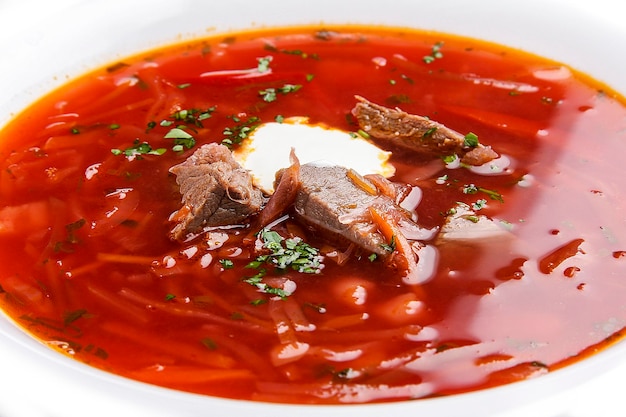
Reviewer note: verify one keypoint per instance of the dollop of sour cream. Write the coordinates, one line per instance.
(266, 150)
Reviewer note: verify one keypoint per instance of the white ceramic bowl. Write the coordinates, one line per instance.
(42, 43)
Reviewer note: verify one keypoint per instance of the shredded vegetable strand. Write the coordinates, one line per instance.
(190, 375)
(283, 327)
(127, 310)
(242, 351)
(184, 310)
(176, 349)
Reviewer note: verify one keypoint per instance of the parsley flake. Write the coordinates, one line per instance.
(391, 246)
(236, 134)
(472, 189)
(479, 204)
(435, 53)
(471, 140)
(291, 253)
(264, 64)
(182, 139)
(271, 94)
(227, 263)
(137, 150)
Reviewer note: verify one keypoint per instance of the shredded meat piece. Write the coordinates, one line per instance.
(216, 191)
(417, 133)
(340, 206)
(286, 188)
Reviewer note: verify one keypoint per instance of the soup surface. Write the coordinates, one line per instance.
(89, 267)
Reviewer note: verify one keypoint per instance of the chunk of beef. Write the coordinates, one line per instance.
(417, 133)
(345, 206)
(216, 191)
(333, 204)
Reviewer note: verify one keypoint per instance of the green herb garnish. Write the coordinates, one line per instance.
(435, 53)
(271, 94)
(472, 189)
(264, 64)
(226, 263)
(479, 204)
(236, 134)
(291, 253)
(182, 139)
(429, 132)
(137, 150)
(471, 140)
(391, 246)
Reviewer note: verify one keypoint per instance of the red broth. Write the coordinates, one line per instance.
(88, 268)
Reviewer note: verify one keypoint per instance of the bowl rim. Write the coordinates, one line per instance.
(49, 42)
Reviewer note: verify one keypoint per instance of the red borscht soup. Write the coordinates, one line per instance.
(445, 275)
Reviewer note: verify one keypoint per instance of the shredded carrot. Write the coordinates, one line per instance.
(341, 322)
(172, 347)
(244, 352)
(361, 182)
(187, 310)
(71, 141)
(125, 259)
(189, 375)
(297, 316)
(404, 256)
(332, 336)
(283, 326)
(382, 184)
(129, 311)
(383, 224)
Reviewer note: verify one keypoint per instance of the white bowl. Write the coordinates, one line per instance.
(43, 43)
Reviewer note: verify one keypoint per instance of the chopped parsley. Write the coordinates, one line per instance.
(363, 134)
(282, 254)
(296, 52)
(71, 238)
(257, 281)
(285, 253)
(271, 94)
(407, 79)
(182, 139)
(209, 343)
(179, 122)
(442, 179)
(264, 64)
(472, 189)
(226, 263)
(435, 53)
(70, 317)
(449, 159)
(471, 140)
(169, 297)
(193, 116)
(138, 149)
(479, 204)
(236, 134)
(391, 246)
(429, 132)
